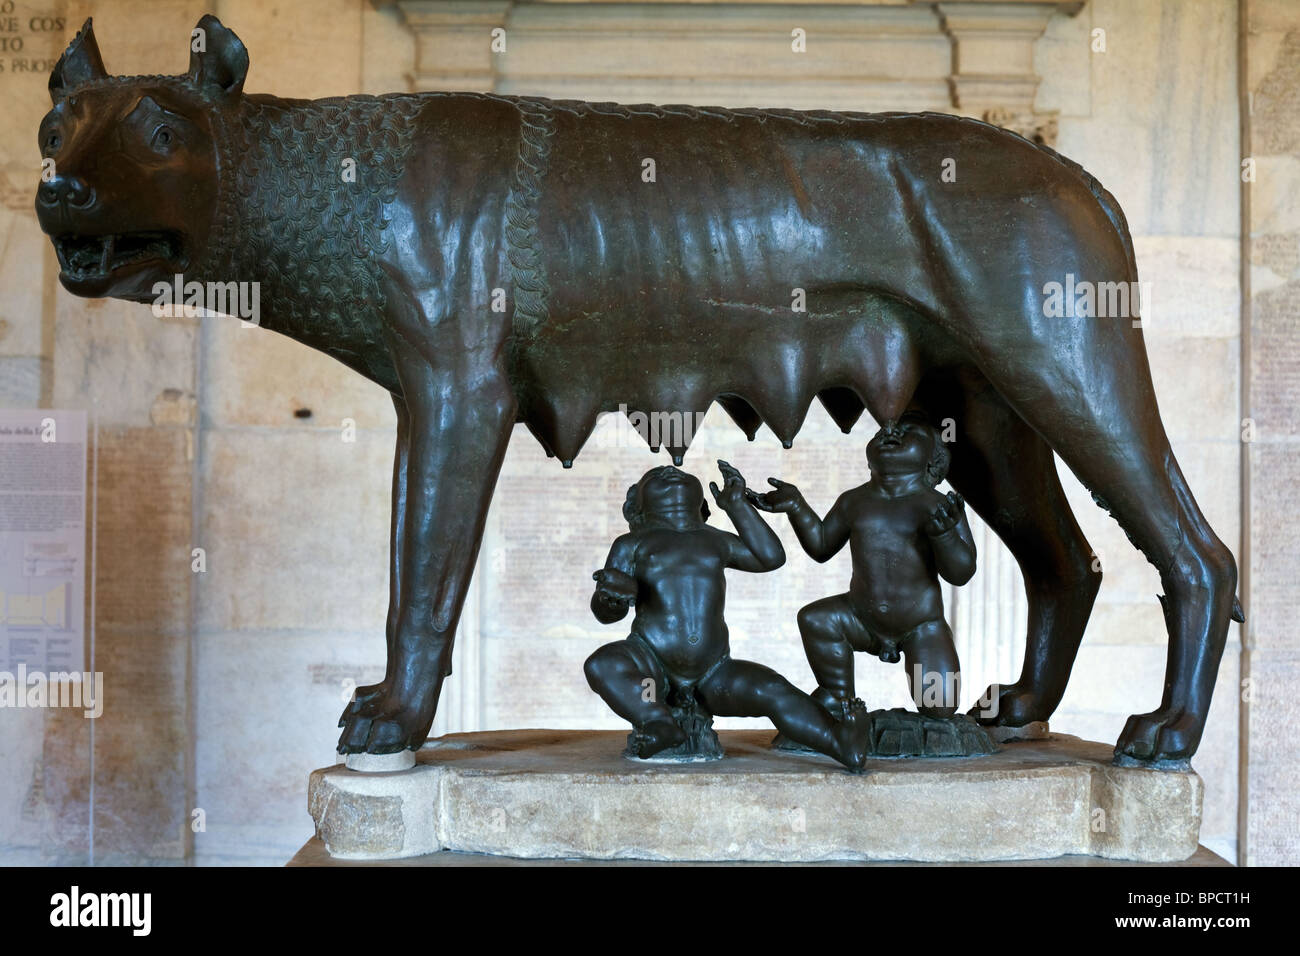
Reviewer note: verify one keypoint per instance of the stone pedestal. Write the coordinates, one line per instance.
(571, 794)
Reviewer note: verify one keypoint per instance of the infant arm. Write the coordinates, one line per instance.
(615, 582)
(822, 538)
(756, 547)
(950, 539)
(766, 555)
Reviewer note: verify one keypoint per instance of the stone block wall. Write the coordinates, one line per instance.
(1271, 755)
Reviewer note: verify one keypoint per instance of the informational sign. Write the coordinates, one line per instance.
(42, 540)
(29, 32)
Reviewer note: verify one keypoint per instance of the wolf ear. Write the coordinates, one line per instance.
(79, 64)
(218, 60)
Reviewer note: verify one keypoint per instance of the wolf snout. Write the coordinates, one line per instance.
(66, 191)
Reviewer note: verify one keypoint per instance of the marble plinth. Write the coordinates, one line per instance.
(546, 794)
(313, 853)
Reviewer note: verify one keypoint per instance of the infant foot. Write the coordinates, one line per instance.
(656, 735)
(853, 740)
(841, 708)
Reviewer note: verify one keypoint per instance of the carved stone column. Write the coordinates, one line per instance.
(453, 49)
(993, 62)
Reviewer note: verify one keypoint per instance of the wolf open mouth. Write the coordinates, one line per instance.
(86, 257)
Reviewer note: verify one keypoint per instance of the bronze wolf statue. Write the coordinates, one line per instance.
(503, 259)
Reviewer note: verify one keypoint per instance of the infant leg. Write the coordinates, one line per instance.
(933, 671)
(634, 686)
(831, 632)
(746, 689)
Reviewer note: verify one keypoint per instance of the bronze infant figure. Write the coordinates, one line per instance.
(501, 260)
(903, 535)
(676, 662)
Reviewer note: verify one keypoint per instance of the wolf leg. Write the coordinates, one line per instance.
(461, 411)
(1100, 416)
(365, 696)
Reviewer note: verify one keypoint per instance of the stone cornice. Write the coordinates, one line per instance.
(974, 57)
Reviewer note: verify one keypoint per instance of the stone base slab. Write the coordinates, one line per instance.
(548, 794)
(1035, 730)
(313, 853)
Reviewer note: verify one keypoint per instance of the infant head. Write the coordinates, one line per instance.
(663, 489)
(909, 446)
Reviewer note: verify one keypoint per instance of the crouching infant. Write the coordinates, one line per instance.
(671, 567)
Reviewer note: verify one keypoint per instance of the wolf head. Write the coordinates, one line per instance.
(130, 182)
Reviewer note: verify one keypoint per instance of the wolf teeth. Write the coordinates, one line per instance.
(100, 255)
(106, 257)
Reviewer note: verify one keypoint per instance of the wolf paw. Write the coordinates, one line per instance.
(386, 727)
(364, 701)
(1166, 734)
(1008, 706)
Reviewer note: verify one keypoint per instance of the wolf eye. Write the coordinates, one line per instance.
(162, 137)
(53, 140)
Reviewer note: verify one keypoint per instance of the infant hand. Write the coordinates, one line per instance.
(783, 499)
(615, 586)
(733, 491)
(946, 515)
